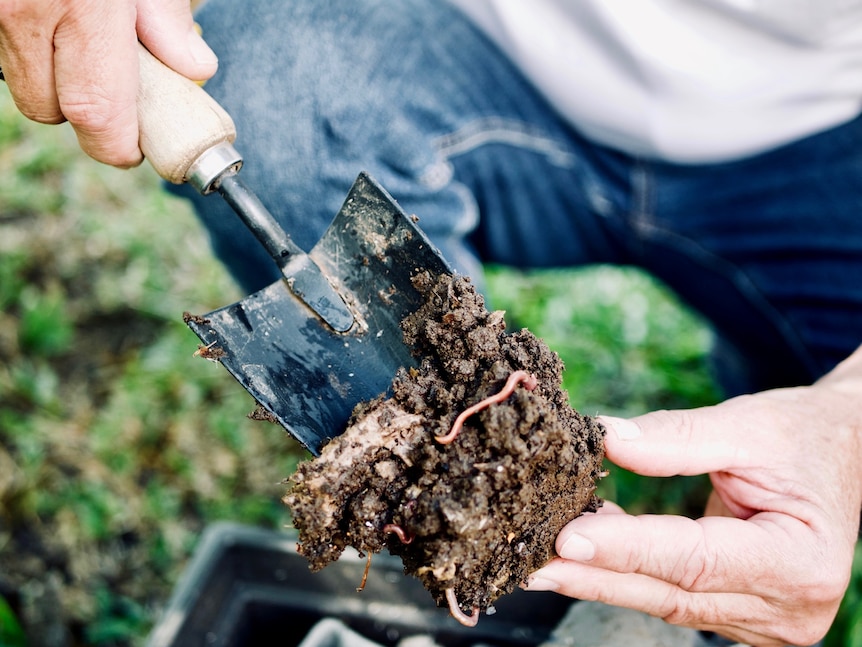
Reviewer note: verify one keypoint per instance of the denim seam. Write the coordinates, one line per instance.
(474, 135)
(500, 130)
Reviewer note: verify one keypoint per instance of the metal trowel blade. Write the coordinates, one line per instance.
(306, 375)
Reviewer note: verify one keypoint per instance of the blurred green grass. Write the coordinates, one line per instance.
(117, 447)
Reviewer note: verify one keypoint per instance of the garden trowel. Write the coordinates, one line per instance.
(327, 335)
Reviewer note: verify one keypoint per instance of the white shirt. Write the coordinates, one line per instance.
(686, 80)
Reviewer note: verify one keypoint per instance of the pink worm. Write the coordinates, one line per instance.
(516, 377)
(398, 530)
(460, 616)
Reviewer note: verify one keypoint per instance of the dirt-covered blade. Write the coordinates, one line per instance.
(305, 374)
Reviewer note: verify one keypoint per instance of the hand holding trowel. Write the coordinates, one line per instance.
(325, 337)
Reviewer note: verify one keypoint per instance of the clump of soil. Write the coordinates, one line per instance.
(481, 513)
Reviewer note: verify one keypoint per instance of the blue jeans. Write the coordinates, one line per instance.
(768, 248)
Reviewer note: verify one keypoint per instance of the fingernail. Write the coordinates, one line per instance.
(200, 51)
(624, 429)
(541, 584)
(578, 548)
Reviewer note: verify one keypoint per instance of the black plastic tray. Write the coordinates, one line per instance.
(248, 586)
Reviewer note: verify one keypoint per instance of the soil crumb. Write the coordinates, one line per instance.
(473, 517)
(263, 415)
(188, 316)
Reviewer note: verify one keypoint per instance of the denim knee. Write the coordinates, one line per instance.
(318, 94)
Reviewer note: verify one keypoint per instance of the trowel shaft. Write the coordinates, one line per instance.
(257, 218)
(303, 276)
(187, 137)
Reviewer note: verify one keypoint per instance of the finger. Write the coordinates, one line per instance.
(714, 554)
(671, 443)
(167, 30)
(96, 70)
(588, 582)
(609, 507)
(27, 57)
(740, 617)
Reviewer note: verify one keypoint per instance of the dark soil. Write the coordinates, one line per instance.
(481, 513)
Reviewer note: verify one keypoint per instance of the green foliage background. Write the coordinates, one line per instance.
(117, 446)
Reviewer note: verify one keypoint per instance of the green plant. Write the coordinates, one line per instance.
(11, 633)
(847, 629)
(117, 618)
(44, 325)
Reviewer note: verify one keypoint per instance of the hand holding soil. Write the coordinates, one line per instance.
(468, 470)
(774, 553)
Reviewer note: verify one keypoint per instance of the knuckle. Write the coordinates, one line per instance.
(827, 591)
(698, 569)
(821, 586)
(40, 114)
(694, 569)
(114, 156)
(90, 110)
(679, 610)
(819, 594)
(107, 128)
(807, 632)
(35, 103)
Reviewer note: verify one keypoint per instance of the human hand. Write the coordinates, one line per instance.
(77, 60)
(773, 567)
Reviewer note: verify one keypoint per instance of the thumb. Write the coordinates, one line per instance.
(677, 443)
(167, 30)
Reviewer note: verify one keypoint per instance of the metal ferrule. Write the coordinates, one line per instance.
(211, 165)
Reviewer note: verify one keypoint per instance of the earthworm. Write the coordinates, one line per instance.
(518, 376)
(460, 616)
(398, 530)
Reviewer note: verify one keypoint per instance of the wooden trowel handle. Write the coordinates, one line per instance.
(179, 122)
